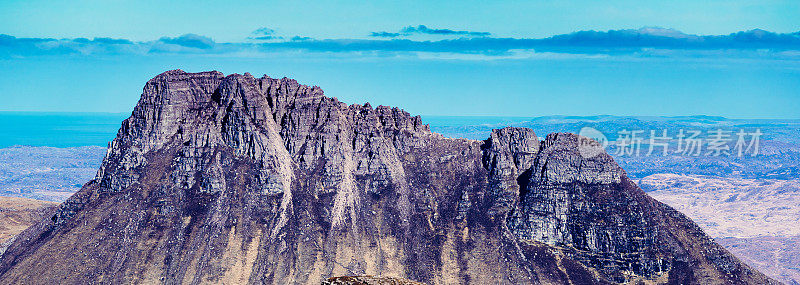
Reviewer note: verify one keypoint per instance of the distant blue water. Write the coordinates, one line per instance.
(58, 129)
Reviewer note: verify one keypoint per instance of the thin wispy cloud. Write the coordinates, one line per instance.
(632, 42)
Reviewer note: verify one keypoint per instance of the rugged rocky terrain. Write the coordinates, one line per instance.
(236, 179)
(755, 219)
(731, 207)
(779, 257)
(368, 280)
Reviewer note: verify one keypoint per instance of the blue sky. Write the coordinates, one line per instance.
(233, 20)
(505, 58)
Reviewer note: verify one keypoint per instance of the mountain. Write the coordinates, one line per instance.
(236, 179)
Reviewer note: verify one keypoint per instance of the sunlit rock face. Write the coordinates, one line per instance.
(235, 179)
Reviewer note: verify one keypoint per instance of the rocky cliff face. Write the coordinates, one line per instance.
(235, 179)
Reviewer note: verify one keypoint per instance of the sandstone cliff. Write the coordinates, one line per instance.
(235, 179)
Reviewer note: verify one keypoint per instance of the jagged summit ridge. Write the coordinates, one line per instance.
(236, 179)
(275, 122)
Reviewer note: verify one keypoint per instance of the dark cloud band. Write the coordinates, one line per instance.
(612, 42)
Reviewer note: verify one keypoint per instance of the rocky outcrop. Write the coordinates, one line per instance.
(368, 280)
(235, 179)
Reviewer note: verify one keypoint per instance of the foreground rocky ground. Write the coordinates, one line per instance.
(368, 280)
